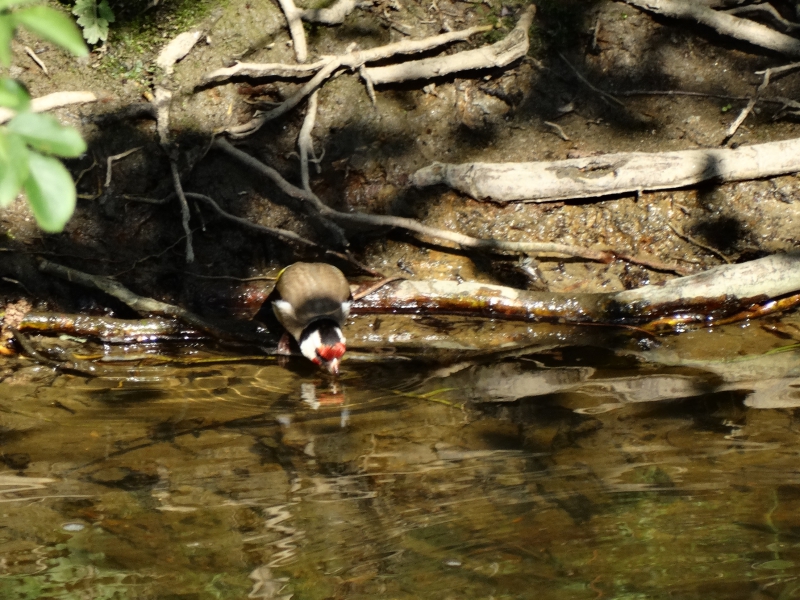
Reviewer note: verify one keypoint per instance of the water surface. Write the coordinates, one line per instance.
(643, 469)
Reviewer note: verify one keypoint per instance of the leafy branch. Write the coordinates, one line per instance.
(30, 142)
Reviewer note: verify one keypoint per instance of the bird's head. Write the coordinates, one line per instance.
(323, 343)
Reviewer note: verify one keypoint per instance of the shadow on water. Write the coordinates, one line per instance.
(590, 468)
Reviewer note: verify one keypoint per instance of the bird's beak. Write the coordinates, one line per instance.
(333, 366)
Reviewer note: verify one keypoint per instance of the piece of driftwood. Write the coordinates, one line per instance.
(514, 46)
(612, 173)
(724, 23)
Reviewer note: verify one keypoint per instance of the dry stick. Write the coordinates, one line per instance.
(605, 95)
(51, 101)
(725, 24)
(750, 104)
(514, 46)
(141, 304)
(295, 29)
(37, 60)
(558, 130)
(698, 243)
(256, 122)
(284, 233)
(404, 223)
(110, 160)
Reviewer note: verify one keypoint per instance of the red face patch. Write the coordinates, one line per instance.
(328, 353)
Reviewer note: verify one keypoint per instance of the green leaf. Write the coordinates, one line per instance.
(6, 34)
(13, 95)
(94, 18)
(53, 26)
(13, 166)
(4, 4)
(50, 192)
(105, 11)
(46, 134)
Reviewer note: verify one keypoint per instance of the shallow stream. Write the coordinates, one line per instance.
(613, 468)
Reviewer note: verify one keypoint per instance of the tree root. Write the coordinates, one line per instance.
(612, 173)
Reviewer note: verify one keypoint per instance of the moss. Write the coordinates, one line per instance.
(138, 35)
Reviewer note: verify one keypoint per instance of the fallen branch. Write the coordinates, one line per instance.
(50, 102)
(460, 239)
(612, 173)
(514, 46)
(141, 304)
(724, 23)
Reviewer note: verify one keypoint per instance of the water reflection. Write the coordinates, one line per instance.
(566, 472)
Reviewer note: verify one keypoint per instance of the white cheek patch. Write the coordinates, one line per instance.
(308, 347)
(346, 308)
(283, 310)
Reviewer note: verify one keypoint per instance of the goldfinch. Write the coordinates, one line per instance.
(312, 301)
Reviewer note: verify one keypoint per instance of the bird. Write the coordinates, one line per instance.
(312, 302)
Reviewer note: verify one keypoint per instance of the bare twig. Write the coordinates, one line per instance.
(460, 239)
(185, 215)
(605, 95)
(284, 233)
(37, 60)
(558, 130)
(110, 160)
(698, 243)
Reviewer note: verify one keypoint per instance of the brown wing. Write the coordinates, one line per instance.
(314, 291)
